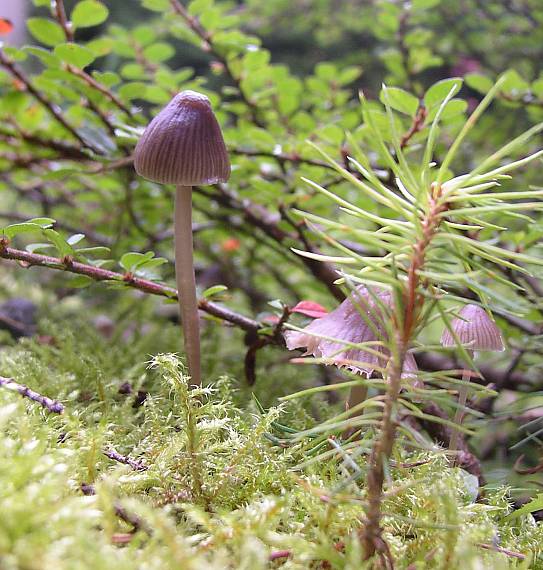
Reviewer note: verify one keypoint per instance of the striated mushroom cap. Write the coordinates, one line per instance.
(474, 329)
(347, 324)
(183, 144)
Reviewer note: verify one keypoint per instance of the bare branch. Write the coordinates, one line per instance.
(150, 287)
(52, 405)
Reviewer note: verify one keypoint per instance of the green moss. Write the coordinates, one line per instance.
(216, 493)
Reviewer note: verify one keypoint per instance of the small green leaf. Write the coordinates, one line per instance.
(438, 91)
(43, 222)
(44, 55)
(100, 46)
(80, 282)
(215, 290)
(155, 94)
(14, 53)
(15, 229)
(133, 71)
(479, 82)
(514, 82)
(74, 54)
(97, 250)
(107, 78)
(149, 265)
(89, 13)
(45, 31)
(158, 52)
(536, 504)
(75, 239)
(537, 87)
(453, 108)
(132, 90)
(33, 225)
(33, 247)
(400, 100)
(132, 260)
(59, 242)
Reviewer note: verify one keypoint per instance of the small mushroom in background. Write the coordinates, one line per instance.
(356, 320)
(476, 331)
(359, 319)
(183, 145)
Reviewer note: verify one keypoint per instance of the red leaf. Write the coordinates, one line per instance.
(271, 319)
(6, 26)
(231, 244)
(310, 309)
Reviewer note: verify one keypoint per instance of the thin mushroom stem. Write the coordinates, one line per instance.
(356, 396)
(459, 415)
(186, 281)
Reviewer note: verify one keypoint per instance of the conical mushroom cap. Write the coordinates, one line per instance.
(474, 329)
(183, 144)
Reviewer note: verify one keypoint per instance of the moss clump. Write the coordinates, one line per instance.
(211, 490)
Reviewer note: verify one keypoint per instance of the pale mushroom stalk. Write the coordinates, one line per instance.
(186, 281)
(357, 395)
(460, 411)
(472, 328)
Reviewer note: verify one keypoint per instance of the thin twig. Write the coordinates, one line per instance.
(125, 460)
(416, 126)
(131, 518)
(97, 86)
(60, 14)
(49, 106)
(501, 550)
(53, 406)
(67, 150)
(100, 274)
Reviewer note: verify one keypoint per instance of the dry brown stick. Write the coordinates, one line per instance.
(100, 274)
(49, 404)
(59, 12)
(125, 460)
(501, 550)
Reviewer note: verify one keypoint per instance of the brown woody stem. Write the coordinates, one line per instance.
(371, 534)
(100, 274)
(185, 279)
